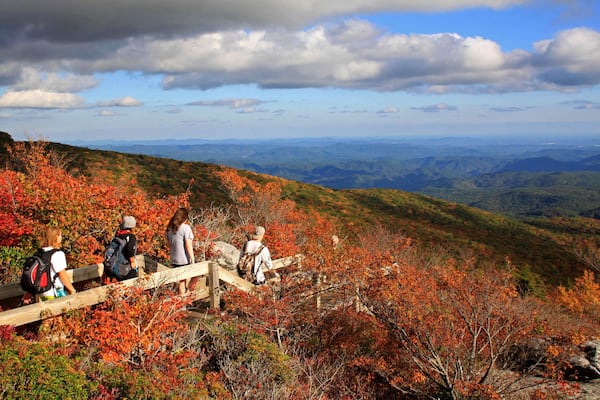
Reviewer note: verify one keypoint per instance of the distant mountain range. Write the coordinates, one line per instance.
(518, 176)
(542, 248)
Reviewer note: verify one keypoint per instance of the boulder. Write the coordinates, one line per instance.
(586, 366)
(226, 255)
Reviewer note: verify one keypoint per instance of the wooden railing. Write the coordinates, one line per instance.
(160, 275)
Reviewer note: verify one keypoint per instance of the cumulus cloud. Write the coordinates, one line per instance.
(40, 99)
(52, 82)
(206, 44)
(571, 59)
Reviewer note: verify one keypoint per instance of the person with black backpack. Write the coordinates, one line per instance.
(119, 259)
(50, 256)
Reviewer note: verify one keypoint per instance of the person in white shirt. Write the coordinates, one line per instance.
(58, 272)
(263, 257)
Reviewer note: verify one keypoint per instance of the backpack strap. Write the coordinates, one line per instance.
(49, 253)
(257, 252)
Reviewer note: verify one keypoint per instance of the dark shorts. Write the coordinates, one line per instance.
(132, 274)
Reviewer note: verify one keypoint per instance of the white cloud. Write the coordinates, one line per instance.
(40, 99)
(317, 58)
(570, 59)
(127, 101)
(206, 44)
(52, 82)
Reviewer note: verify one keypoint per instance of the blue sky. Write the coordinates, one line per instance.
(150, 69)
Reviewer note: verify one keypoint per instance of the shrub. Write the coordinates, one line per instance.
(11, 264)
(37, 370)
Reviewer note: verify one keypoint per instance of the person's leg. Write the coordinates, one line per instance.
(193, 283)
(182, 288)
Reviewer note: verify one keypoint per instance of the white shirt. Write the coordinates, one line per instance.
(59, 263)
(263, 257)
(179, 255)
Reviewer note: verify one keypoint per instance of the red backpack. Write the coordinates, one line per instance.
(37, 272)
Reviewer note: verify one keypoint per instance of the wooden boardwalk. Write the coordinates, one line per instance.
(152, 275)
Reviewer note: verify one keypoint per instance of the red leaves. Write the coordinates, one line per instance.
(15, 208)
(88, 213)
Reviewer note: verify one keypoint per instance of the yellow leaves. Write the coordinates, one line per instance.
(553, 351)
(419, 377)
(583, 298)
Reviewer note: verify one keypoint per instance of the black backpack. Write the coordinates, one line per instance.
(37, 275)
(245, 266)
(115, 264)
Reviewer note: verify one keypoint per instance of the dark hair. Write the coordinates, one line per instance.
(180, 216)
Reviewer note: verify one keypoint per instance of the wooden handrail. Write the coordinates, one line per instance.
(163, 275)
(83, 274)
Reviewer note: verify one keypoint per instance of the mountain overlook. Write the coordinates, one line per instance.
(416, 292)
(546, 252)
(472, 171)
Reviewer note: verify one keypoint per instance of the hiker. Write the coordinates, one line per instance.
(335, 240)
(52, 242)
(263, 256)
(124, 244)
(180, 238)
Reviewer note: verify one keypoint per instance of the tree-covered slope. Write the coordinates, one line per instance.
(545, 250)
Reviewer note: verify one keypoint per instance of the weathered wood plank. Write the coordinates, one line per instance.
(35, 312)
(76, 275)
(235, 280)
(163, 276)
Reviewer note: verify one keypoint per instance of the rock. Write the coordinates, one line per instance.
(226, 255)
(586, 366)
(591, 348)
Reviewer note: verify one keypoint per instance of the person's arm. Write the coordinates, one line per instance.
(59, 264)
(189, 249)
(266, 258)
(130, 250)
(64, 278)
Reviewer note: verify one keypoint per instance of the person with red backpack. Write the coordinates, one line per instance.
(51, 254)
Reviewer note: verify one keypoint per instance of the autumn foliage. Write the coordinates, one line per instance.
(38, 193)
(375, 316)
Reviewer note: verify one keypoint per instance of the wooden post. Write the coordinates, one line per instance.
(213, 283)
(319, 290)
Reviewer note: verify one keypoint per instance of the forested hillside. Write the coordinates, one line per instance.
(420, 299)
(551, 255)
(521, 177)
